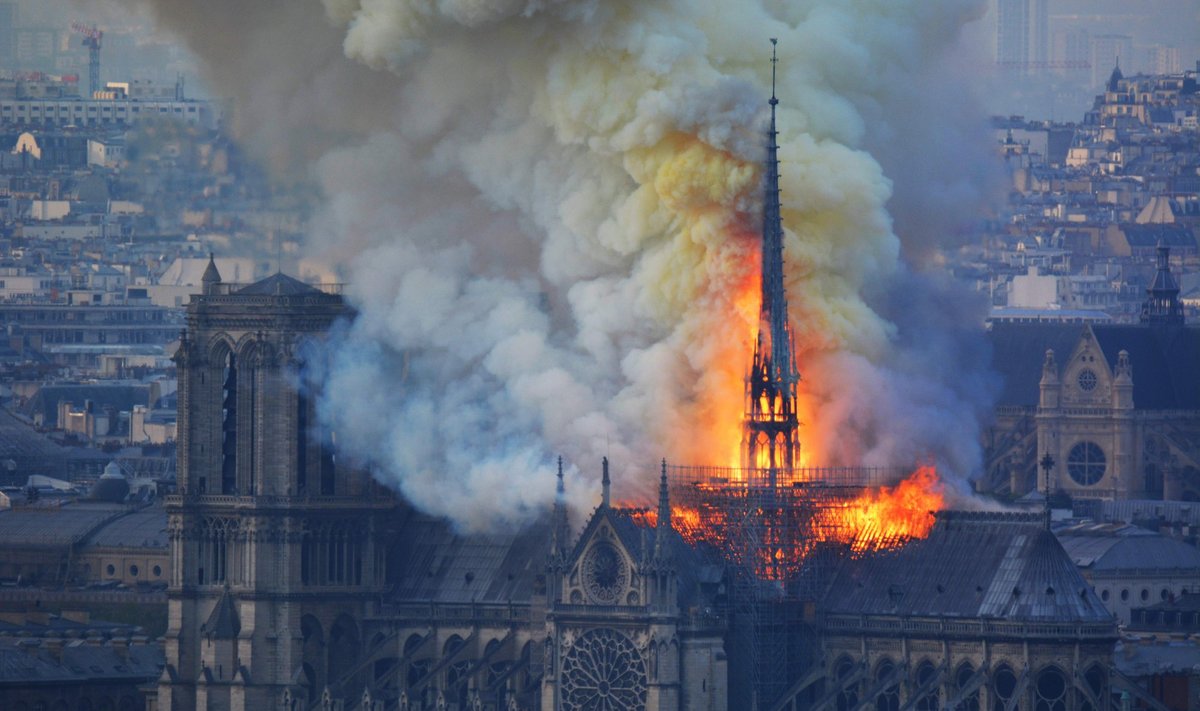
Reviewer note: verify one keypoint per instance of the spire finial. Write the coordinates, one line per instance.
(606, 499)
(561, 488)
(774, 62)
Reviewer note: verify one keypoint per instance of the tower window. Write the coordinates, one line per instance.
(229, 426)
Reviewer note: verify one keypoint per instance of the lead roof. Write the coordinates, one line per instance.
(972, 565)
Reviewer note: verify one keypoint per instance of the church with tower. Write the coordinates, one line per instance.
(298, 583)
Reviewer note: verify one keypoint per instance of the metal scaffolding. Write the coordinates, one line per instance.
(779, 534)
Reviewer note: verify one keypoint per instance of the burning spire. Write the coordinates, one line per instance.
(770, 439)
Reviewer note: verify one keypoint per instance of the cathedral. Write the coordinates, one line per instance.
(297, 583)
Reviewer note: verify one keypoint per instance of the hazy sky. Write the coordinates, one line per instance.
(1148, 22)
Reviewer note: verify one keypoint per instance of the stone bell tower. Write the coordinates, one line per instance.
(273, 538)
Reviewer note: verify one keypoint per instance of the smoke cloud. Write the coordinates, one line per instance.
(547, 213)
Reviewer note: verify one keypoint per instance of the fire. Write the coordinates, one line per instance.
(720, 414)
(887, 517)
(776, 540)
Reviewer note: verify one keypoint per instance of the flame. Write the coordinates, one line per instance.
(779, 541)
(887, 517)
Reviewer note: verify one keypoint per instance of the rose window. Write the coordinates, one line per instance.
(603, 671)
(605, 573)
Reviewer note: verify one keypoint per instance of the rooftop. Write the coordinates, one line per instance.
(973, 565)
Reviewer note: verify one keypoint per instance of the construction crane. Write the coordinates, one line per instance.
(91, 40)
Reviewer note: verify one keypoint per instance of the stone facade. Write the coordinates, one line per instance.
(296, 582)
(620, 634)
(273, 540)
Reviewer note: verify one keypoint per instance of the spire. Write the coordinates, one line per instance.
(770, 437)
(606, 485)
(1114, 79)
(1162, 305)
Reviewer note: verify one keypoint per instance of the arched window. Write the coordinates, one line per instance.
(889, 698)
(848, 694)
(925, 676)
(1096, 680)
(962, 677)
(1004, 687)
(1050, 690)
(343, 649)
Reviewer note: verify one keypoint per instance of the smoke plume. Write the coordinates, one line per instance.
(547, 213)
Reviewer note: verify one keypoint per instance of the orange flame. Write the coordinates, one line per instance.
(887, 517)
(877, 519)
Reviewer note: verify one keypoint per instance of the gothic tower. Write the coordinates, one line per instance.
(770, 438)
(273, 546)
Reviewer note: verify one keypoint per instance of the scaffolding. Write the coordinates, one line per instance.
(780, 536)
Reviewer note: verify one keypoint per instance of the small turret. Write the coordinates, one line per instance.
(1123, 383)
(211, 277)
(664, 515)
(1049, 385)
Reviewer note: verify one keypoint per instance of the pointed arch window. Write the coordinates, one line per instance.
(229, 432)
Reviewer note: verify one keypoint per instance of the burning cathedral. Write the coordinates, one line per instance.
(297, 582)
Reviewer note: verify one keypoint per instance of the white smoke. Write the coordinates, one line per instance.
(546, 212)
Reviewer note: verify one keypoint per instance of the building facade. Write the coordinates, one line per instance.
(274, 542)
(1117, 407)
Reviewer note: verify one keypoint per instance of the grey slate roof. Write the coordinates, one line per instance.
(146, 528)
(1116, 553)
(53, 527)
(279, 284)
(25, 446)
(22, 664)
(1170, 234)
(1165, 376)
(224, 622)
(436, 564)
(972, 565)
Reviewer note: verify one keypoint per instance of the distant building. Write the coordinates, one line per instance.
(64, 111)
(1117, 407)
(1022, 35)
(69, 661)
(1129, 566)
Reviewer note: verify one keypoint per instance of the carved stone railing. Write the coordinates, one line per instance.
(277, 502)
(972, 628)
